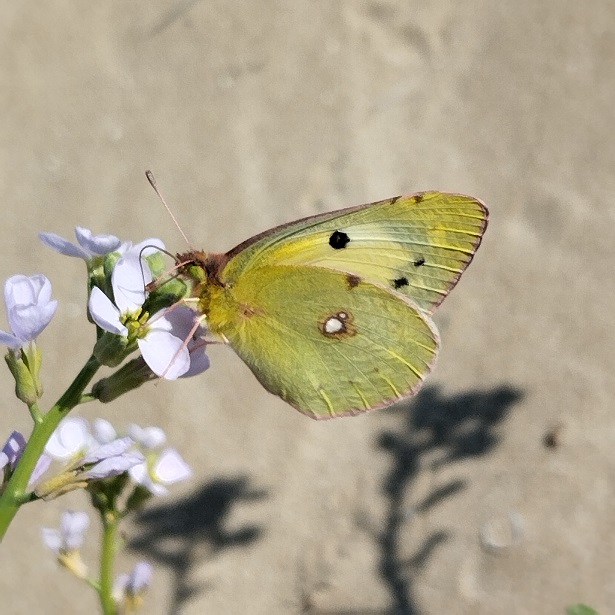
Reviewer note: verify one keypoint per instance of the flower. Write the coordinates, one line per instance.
(29, 308)
(87, 459)
(12, 450)
(73, 525)
(66, 541)
(148, 438)
(89, 245)
(165, 469)
(110, 459)
(129, 588)
(173, 346)
(169, 341)
(11, 453)
(71, 439)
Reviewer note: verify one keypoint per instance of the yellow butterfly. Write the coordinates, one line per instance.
(332, 312)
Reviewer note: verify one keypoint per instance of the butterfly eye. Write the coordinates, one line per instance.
(338, 240)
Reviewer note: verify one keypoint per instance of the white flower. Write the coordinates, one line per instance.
(71, 439)
(131, 587)
(148, 438)
(66, 541)
(11, 453)
(173, 346)
(103, 431)
(89, 245)
(12, 450)
(73, 525)
(170, 340)
(73, 442)
(168, 468)
(111, 459)
(29, 308)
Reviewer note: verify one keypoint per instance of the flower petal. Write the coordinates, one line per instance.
(166, 355)
(63, 246)
(129, 278)
(103, 430)
(171, 468)
(199, 361)
(96, 244)
(140, 578)
(42, 465)
(52, 539)
(104, 313)
(8, 339)
(113, 466)
(27, 322)
(14, 447)
(70, 439)
(111, 449)
(147, 437)
(73, 526)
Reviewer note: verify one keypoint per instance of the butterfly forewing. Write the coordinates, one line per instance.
(416, 245)
(325, 341)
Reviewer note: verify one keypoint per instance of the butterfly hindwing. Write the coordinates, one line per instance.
(327, 342)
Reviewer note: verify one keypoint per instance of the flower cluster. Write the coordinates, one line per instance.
(97, 452)
(170, 340)
(66, 541)
(134, 312)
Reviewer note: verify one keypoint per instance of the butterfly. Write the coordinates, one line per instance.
(332, 312)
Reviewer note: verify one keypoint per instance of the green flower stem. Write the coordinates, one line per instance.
(35, 413)
(110, 521)
(15, 493)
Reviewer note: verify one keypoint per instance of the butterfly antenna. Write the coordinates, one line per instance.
(152, 180)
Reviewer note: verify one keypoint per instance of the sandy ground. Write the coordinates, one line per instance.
(253, 114)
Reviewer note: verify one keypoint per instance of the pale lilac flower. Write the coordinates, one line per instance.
(11, 453)
(168, 468)
(73, 525)
(42, 465)
(167, 347)
(67, 541)
(148, 438)
(12, 450)
(89, 245)
(103, 431)
(169, 341)
(73, 442)
(110, 459)
(132, 586)
(29, 308)
(70, 440)
(131, 274)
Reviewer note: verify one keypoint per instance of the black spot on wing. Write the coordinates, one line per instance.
(352, 281)
(399, 282)
(419, 261)
(338, 240)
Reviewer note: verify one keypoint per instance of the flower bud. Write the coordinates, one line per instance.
(25, 365)
(128, 377)
(111, 349)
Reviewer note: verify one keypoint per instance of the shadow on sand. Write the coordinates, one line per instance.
(180, 534)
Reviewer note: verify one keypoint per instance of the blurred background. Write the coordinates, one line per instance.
(492, 490)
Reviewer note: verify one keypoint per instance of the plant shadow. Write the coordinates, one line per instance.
(457, 427)
(180, 534)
